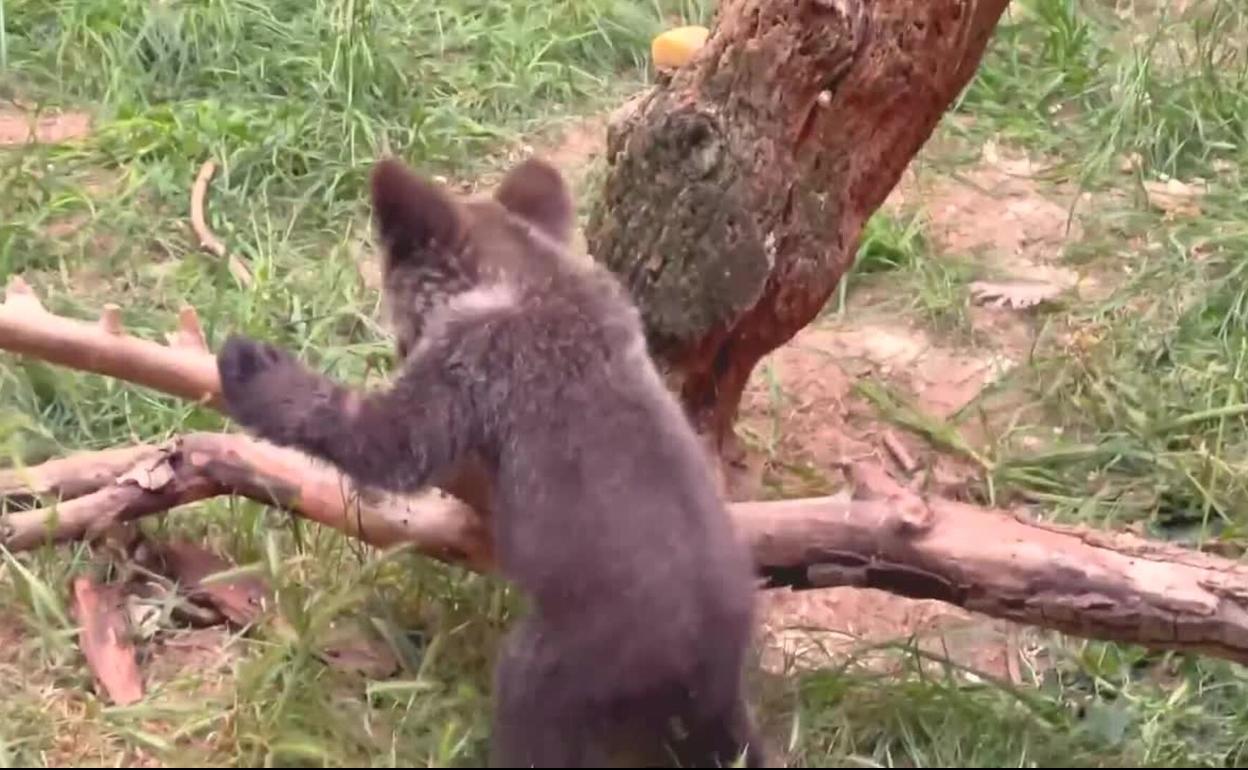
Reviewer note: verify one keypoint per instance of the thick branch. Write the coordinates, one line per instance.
(1108, 586)
(1097, 585)
(204, 465)
(184, 367)
(70, 477)
(1117, 587)
(180, 369)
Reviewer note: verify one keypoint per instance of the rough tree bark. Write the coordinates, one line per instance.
(737, 190)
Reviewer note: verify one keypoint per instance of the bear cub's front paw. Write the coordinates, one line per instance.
(255, 377)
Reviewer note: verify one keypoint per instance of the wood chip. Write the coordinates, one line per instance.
(1014, 294)
(1174, 197)
(104, 638)
(899, 452)
(352, 649)
(241, 599)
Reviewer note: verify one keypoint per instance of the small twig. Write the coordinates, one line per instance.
(200, 189)
(1013, 651)
(899, 452)
(207, 240)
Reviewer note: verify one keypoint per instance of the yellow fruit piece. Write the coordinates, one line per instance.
(676, 46)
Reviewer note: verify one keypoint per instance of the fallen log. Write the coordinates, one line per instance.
(1092, 584)
(199, 466)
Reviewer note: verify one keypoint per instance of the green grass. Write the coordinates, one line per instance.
(1153, 425)
(1091, 711)
(1152, 417)
(294, 99)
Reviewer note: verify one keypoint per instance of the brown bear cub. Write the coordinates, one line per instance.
(605, 509)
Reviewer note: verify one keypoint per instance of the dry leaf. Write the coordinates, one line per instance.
(991, 154)
(367, 265)
(155, 477)
(1174, 197)
(353, 649)
(241, 599)
(1016, 294)
(105, 640)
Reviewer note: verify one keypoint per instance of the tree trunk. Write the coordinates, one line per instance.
(737, 190)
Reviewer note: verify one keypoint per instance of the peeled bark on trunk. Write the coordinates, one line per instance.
(736, 191)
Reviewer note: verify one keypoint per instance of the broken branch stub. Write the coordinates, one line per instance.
(27, 328)
(1080, 581)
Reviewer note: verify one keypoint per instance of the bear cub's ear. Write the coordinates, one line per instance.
(535, 191)
(413, 215)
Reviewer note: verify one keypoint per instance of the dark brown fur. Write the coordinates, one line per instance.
(605, 509)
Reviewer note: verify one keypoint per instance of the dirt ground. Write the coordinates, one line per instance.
(18, 126)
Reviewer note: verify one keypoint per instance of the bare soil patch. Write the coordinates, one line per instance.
(18, 126)
(802, 417)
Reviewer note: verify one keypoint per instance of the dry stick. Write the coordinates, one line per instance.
(184, 367)
(1092, 584)
(1108, 586)
(198, 191)
(207, 240)
(899, 452)
(73, 476)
